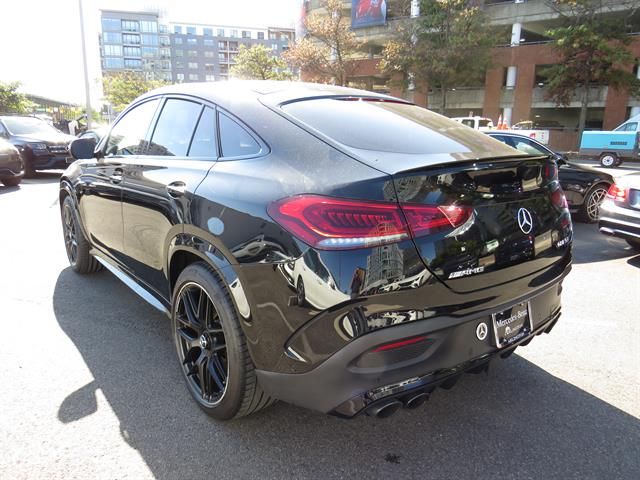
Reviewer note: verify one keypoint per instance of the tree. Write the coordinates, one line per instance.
(12, 101)
(449, 45)
(258, 63)
(593, 50)
(121, 88)
(327, 51)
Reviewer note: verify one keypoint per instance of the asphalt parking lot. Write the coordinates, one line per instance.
(90, 387)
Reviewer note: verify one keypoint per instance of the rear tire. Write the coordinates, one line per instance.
(609, 160)
(11, 182)
(590, 210)
(211, 347)
(635, 244)
(75, 243)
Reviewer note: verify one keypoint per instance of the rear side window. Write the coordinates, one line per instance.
(235, 140)
(128, 135)
(174, 128)
(376, 125)
(204, 142)
(527, 147)
(628, 127)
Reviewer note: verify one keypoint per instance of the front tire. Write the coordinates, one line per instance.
(590, 210)
(75, 243)
(609, 160)
(211, 347)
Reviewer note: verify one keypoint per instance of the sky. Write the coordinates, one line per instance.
(40, 39)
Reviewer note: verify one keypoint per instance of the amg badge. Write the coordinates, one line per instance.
(466, 272)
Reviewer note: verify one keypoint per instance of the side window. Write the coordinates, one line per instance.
(235, 140)
(468, 123)
(204, 140)
(631, 127)
(528, 147)
(174, 128)
(128, 135)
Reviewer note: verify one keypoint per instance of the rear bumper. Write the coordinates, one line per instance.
(346, 386)
(618, 221)
(49, 162)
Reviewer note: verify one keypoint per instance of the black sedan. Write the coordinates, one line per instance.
(334, 248)
(585, 188)
(11, 169)
(620, 212)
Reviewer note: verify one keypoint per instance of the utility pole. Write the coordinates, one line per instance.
(86, 70)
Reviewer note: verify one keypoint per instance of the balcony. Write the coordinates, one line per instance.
(471, 98)
(597, 98)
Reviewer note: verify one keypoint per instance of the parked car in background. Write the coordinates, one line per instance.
(41, 146)
(201, 192)
(477, 123)
(613, 147)
(11, 169)
(620, 212)
(585, 188)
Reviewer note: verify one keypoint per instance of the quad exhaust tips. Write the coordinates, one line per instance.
(415, 400)
(384, 409)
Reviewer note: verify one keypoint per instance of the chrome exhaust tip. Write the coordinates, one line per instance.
(384, 409)
(416, 400)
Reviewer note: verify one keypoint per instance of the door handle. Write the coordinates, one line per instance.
(116, 176)
(176, 189)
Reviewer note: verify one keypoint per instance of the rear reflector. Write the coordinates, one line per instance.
(335, 223)
(400, 344)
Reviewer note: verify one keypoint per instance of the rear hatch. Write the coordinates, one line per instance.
(508, 219)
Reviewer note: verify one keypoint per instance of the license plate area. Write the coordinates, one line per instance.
(512, 324)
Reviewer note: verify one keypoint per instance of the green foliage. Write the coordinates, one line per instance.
(258, 63)
(594, 50)
(121, 88)
(327, 53)
(12, 101)
(448, 45)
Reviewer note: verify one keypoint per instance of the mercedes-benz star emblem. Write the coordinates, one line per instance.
(203, 342)
(525, 221)
(482, 330)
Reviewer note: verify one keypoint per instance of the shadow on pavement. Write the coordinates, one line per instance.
(591, 246)
(43, 177)
(4, 189)
(517, 422)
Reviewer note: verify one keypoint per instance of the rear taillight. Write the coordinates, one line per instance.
(558, 199)
(550, 172)
(617, 193)
(337, 224)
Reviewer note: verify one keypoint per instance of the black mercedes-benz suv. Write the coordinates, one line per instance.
(41, 146)
(333, 248)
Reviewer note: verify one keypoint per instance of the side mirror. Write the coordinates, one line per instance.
(562, 159)
(82, 148)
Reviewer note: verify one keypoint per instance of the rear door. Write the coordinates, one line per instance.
(158, 186)
(99, 190)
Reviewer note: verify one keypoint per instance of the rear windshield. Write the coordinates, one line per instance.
(370, 124)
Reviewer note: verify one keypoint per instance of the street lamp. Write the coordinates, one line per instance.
(86, 70)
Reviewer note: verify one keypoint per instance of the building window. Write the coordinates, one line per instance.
(164, 29)
(131, 39)
(111, 37)
(179, 64)
(221, 32)
(130, 26)
(222, 45)
(134, 63)
(112, 50)
(149, 52)
(166, 65)
(208, 67)
(208, 42)
(193, 65)
(233, 46)
(260, 35)
(131, 51)
(234, 33)
(111, 24)
(193, 76)
(113, 63)
(273, 36)
(208, 54)
(222, 56)
(192, 53)
(207, 32)
(274, 46)
(164, 41)
(177, 29)
(148, 27)
(210, 78)
(179, 53)
(192, 40)
(191, 30)
(180, 77)
(148, 39)
(246, 34)
(177, 41)
(165, 52)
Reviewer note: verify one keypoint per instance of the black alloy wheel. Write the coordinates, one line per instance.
(593, 201)
(69, 231)
(76, 245)
(201, 344)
